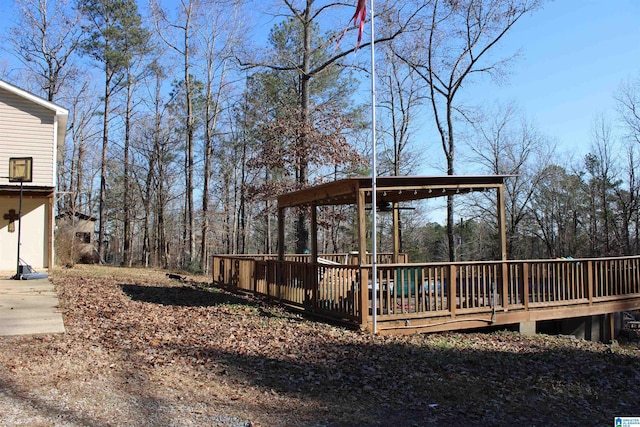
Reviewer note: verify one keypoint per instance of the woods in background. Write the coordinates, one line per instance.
(187, 119)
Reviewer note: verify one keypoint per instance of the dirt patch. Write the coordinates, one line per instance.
(142, 349)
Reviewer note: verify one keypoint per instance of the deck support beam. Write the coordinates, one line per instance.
(503, 246)
(362, 259)
(314, 257)
(314, 234)
(527, 328)
(362, 228)
(611, 327)
(396, 232)
(452, 295)
(281, 234)
(501, 222)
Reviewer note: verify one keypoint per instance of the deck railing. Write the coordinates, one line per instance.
(615, 276)
(349, 258)
(326, 289)
(558, 281)
(438, 289)
(407, 291)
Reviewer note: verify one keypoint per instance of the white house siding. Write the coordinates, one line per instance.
(34, 232)
(27, 130)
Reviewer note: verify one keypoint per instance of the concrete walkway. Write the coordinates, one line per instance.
(29, 307)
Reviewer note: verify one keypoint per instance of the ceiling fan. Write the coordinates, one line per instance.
(387, 206)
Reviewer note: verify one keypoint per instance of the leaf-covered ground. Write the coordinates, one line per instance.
(143, 350)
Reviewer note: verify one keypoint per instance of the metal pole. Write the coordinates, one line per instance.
(374, 176)
(18, 275)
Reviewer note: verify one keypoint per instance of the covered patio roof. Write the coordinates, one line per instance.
(389, 188)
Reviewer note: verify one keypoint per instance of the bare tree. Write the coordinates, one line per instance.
(504, 143)
(138, 45)
(157, 150)
(218, 29)
(401, 100)
(627, 99)
(600, 164)
(114, 32)
(626, 199)
(458, 38)
(45, 39)
(83, 133)
(178, 34)
(558, 206)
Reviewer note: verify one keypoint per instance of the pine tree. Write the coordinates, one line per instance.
(115, 37)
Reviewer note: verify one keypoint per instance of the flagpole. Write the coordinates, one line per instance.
(374, 176)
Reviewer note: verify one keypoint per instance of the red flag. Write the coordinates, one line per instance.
(358, 19)
(361, 14)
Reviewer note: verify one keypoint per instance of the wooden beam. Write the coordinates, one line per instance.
(280, 233)
(344, 189)
(526, 281)
(501, 223)
(611, 324)
(453, 298)
(473, 320)
(362, 255)
(402, 188)
(396, 232)
(362, 228)
(503, 246)
(314, 258)
(314, 234)
(590, 281)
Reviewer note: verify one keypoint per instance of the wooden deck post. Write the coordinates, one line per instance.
(362, 255)
(364, 298)
(501, 223)
(314, 258)
(525, 284)
(396, 232)
(280, 234)
(503, 247)
(314, 234)
(611, 326)
(279, 273)
(590, 281)
(453, 297)
(362, 228)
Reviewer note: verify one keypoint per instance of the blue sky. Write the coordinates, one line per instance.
(575, 54)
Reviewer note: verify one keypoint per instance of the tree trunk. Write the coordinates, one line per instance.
(148, 191)
(126, 255)
(302, 232)
(189, 229)
(450, 153)
(103, 167)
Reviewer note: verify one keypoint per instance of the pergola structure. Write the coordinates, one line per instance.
(390, 190)
(406, 297)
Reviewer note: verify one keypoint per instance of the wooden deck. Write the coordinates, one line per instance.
(438, 296)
